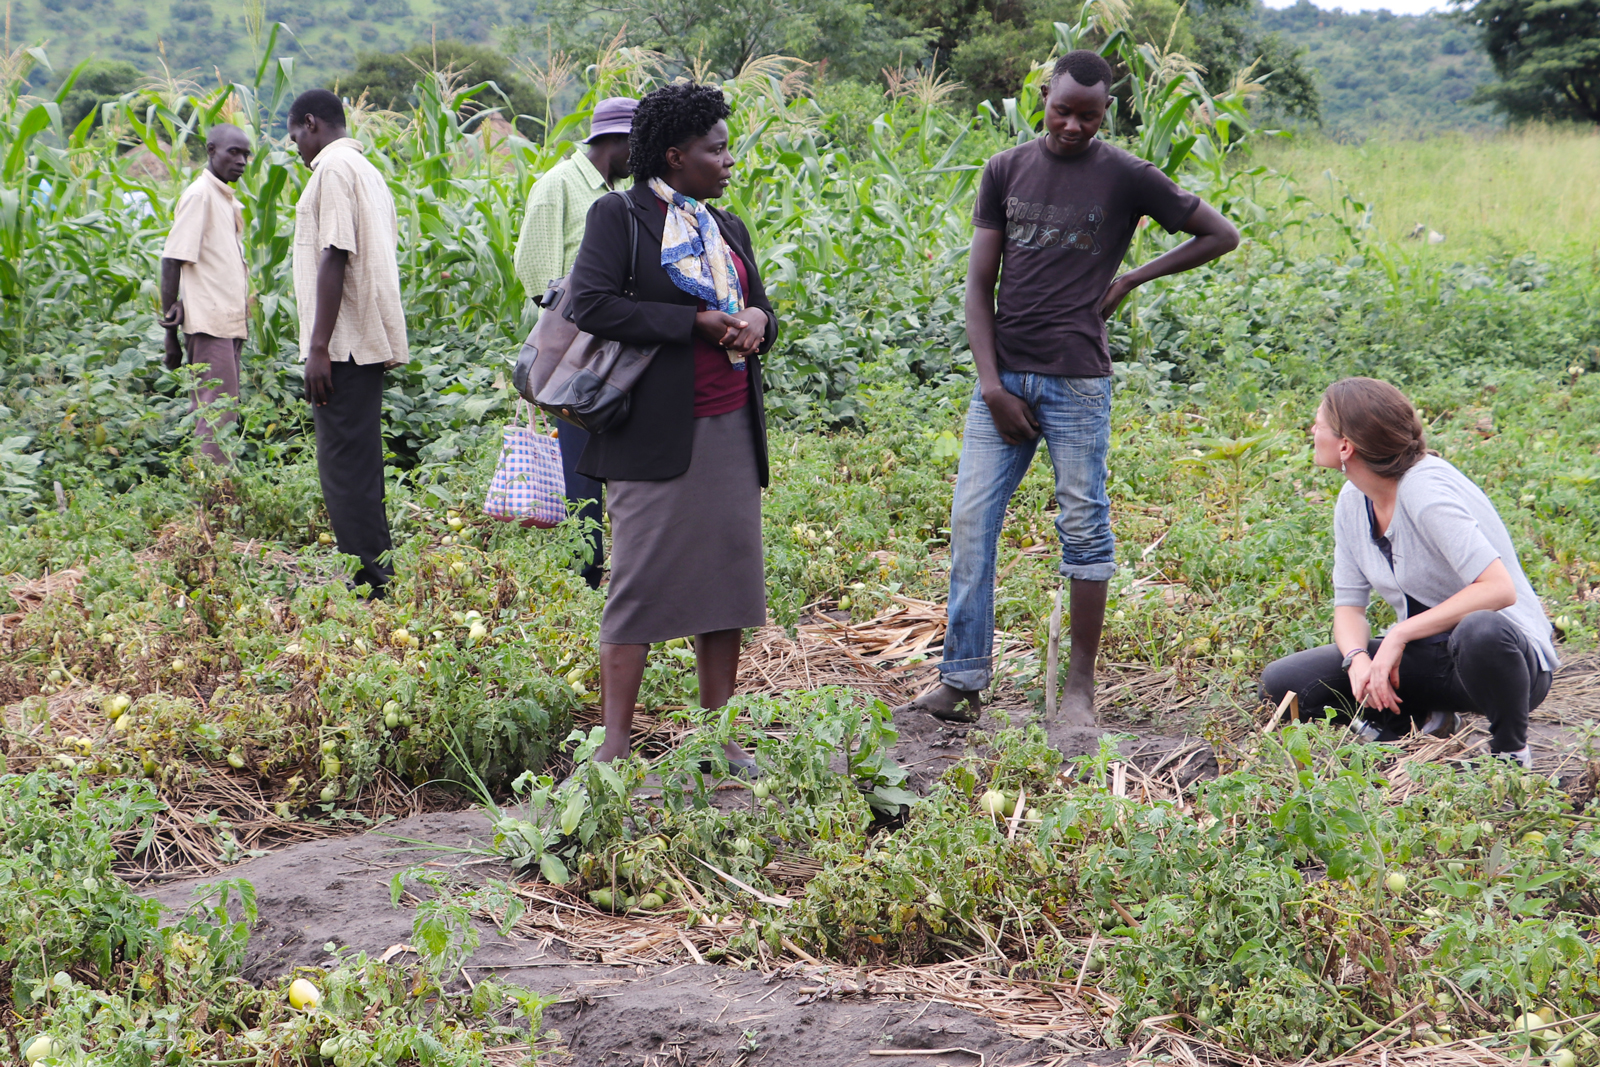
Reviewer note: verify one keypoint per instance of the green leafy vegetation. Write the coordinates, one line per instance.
(1266, 915)
(387, 81)
(94, 973)
(176, 628)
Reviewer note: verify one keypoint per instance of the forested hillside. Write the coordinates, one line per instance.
(1359, 73)
(199, 36)
(1375, 70)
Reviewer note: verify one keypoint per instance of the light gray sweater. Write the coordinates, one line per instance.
(1444, 533)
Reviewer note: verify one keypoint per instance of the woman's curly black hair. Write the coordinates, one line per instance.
(668, 117)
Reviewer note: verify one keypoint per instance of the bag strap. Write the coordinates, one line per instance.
(633, 243)
(532, 414)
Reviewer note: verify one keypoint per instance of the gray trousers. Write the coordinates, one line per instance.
(220, 357)
(350, 466)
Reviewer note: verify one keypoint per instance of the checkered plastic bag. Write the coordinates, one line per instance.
(528, 485)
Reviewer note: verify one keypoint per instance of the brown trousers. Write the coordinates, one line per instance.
(221, 357)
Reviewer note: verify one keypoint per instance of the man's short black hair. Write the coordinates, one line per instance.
(1086, 68)
(319, 102)
(668, 117)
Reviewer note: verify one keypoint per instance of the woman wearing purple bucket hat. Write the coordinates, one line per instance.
(684, 473)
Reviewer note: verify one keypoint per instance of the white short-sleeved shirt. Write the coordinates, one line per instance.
(347, 205)
(207, 238)
(1444, 534)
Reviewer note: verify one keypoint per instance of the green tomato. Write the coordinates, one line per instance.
(41, 1047)
(303, 995)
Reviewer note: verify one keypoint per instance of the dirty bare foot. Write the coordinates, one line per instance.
(946, 703)
(1076, 708)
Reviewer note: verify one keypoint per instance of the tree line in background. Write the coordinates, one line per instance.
(1490, 60)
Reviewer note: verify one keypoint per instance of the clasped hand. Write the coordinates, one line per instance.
(740, 334)
(1374, 680)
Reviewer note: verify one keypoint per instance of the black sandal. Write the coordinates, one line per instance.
(738, 768)
(966, 711)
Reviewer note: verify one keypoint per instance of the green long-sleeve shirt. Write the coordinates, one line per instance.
(552, 226)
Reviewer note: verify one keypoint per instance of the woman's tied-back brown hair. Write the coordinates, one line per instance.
(1378, 421)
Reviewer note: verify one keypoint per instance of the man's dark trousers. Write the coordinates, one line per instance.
(350, 465)
(585, 492)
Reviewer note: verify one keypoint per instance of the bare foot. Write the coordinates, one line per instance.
(946, 703)
(1077, 706)
(608, 752)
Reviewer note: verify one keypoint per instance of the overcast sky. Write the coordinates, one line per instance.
(1399, 7)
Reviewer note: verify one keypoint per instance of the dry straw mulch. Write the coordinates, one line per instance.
(901, 645)
(1074, 1019)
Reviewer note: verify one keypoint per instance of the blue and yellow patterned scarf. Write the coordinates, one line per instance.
(696, 257)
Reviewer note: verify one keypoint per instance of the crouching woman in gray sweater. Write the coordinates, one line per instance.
(1471, 635)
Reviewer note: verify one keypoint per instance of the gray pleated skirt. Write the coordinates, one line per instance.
(686, 552)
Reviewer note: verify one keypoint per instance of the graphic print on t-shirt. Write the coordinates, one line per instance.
(1047, 225)
(1065, 224)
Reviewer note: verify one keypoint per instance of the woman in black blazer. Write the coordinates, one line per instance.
(684, 473)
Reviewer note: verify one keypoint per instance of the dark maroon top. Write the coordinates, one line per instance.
(719, 387)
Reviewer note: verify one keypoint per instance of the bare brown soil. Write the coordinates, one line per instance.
(611, 1011)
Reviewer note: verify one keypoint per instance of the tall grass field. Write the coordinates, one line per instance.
(1508, 193)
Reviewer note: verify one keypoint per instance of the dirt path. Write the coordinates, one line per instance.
(337, 891)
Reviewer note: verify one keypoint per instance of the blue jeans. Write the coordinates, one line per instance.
(1074, 416)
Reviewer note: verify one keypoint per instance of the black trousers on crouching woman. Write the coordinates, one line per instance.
(1487, 665)
(350, 466)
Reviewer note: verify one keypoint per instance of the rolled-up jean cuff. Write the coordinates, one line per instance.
(967, 674)
(1089, 572)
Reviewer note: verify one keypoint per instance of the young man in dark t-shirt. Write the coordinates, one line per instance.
(1059, 213)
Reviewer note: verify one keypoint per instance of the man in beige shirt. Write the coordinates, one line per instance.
(205, 285)
(352, 325)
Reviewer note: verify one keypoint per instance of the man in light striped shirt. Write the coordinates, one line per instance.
(352, 323)
(552, 230)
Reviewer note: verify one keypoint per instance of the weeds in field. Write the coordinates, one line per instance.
(90, 975)
(1266, 914)
(591, 830)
